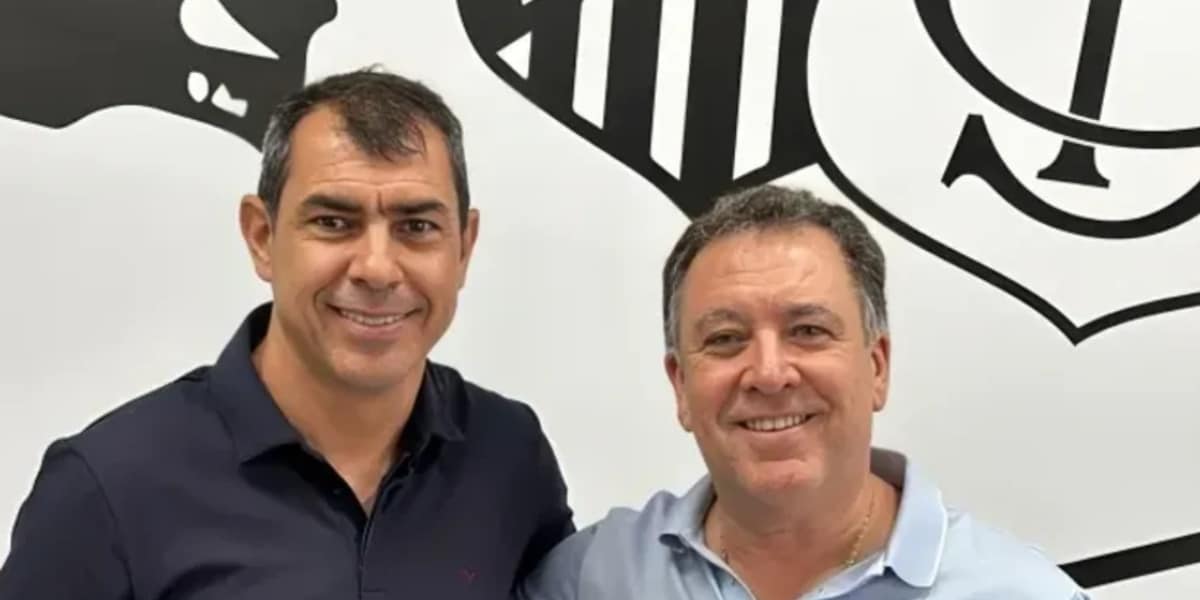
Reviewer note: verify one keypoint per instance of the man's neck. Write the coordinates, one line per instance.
(356, 432)
(785, 551)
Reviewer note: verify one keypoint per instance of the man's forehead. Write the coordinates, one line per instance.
(326, 159)
(321, 139)
(792, 256)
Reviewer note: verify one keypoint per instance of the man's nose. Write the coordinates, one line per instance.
(770, 371)
(376, 264)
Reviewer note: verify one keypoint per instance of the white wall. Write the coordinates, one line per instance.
(123, 268)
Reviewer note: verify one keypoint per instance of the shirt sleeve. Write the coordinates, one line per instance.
(557, 577)
(64, 542)
(555, 521)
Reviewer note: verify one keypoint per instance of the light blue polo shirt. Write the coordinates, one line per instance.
(934, 553)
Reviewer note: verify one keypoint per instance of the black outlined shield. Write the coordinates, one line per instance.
(536, 48)
(823, 111)
(1082, 229)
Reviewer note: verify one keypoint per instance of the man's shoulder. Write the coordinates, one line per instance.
(628, 531)
(990, 559)
(493, 410)
(148, 425)
(659, 513)
(622, 555)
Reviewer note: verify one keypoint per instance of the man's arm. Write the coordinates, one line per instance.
(64, 543)
(555, 519)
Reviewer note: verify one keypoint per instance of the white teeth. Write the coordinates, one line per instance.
(369, 320)
(776, 423)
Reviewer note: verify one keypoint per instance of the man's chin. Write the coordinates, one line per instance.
(776, 477)
(375, 375)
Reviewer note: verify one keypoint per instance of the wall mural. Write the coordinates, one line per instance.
(62, 61)
(552, 30)
(712, 111)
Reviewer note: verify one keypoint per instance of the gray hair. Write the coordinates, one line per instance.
(381, 112)
(773, 207)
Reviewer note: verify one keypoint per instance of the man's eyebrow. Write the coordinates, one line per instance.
(793, 312)
(806, 310)
(336, 204)
(715, 316)
(809, 309)
(409, 208)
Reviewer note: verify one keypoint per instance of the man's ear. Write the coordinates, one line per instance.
(470, 233)
(881, 352)
(675, 374)
(256, 224)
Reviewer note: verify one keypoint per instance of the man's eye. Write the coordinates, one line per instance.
(331, 223)
(724, 344)
(809, 331)
(418, 226)
(721, 339)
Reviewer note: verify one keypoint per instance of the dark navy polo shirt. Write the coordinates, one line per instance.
(201, 489)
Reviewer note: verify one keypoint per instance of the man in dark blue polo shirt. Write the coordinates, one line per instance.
(322, 456)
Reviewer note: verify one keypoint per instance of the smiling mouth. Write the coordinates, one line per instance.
(775, 424)
(369, 320)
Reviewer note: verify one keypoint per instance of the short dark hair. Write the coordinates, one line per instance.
(773, 207)
(382, 113)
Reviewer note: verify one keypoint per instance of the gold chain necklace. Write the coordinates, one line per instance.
(854, 549)
(862, 533)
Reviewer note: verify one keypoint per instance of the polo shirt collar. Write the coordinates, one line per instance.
(683, 521)
(913, 552)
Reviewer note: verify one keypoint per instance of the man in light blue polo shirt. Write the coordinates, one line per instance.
(778, 352)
